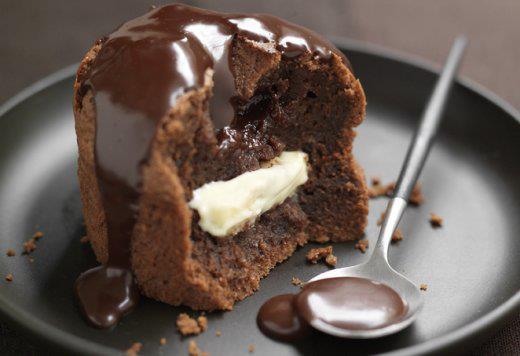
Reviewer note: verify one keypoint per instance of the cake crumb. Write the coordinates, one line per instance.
(361, 245)
(10, 252)
(416, 197)
(38, 235)
(381, 190)
(193, 350)
(297, 282)
(9, 277)
(322, 239)
(162, 341)
(375, 181)
(29, 246)
(322, 253)
(379, 221)
(423, 287)
(134, 349)
(203, 323)
(84, 239)
(189, 326)
(331, 260)
(251, 348)
(397, 236)
(435, 220)
(218, 333)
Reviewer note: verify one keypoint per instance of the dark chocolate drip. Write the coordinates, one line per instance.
(278, 319)
(349, 303)
(137, 76)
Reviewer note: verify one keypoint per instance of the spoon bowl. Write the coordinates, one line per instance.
(378, 272)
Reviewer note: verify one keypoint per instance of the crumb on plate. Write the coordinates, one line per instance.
(397, 236)
(322, 253)
(134, 349)
(380, 190)
(193, 350)
(435, 220)
(361, 245)
(296, 282)
(190, 326)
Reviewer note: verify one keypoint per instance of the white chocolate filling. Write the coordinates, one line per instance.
(225, 207)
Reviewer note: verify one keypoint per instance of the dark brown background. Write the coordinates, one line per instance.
(39, 37)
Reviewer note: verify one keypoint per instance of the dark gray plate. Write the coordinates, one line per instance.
(471, 265)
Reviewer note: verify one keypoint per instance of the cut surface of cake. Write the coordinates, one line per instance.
(211, 146)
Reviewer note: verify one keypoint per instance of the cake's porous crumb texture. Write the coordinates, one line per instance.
(9, 277)
(322, 239)
(251, 348)
(10, 252)
(423, 287)
(163, 341)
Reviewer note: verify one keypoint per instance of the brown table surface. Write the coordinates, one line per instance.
(37, 38)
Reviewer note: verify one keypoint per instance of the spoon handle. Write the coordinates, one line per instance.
(420, 146)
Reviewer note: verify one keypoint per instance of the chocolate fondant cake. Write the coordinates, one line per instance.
(211, 145)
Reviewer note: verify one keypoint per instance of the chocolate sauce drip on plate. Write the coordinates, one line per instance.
(349, 303)
(136, 77)
(278, 319)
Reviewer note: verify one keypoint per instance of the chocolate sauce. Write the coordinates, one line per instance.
(278, 319)
(349, 303)
(136, 77)
(105, 294)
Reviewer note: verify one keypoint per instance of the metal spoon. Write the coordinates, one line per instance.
(377, 267)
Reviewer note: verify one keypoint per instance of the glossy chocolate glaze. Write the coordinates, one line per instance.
(349, 303)
(136, 77)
